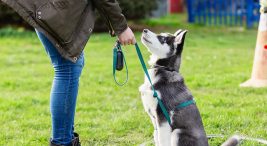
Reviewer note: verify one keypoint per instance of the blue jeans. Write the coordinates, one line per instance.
(63, 94)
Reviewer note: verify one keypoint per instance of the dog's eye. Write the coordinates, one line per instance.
(162, 39)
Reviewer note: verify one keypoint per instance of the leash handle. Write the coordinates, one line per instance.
(155, 94)
(120, 66)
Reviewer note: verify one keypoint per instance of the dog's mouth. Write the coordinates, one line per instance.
(145, 39)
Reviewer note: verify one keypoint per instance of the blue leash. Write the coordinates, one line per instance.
(155, 94)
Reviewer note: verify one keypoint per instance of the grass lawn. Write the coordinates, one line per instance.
(215, 61)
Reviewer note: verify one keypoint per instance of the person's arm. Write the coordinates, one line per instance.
(116, 21)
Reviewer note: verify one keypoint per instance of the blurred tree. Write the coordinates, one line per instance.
(132, 9)
(10, 17)
(136, 9)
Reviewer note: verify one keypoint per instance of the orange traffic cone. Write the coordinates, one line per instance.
(259, 70)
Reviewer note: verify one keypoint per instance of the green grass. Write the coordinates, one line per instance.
(215, 61)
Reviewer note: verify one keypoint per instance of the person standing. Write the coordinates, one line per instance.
(64, 27)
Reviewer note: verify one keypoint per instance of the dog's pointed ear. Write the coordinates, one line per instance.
(179, 41)
(177, 32)
(180, 36)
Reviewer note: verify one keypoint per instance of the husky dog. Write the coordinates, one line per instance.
(186, 128)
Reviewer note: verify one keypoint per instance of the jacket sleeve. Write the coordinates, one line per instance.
(112, 12)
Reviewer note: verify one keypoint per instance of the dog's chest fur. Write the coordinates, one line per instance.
(150, 103)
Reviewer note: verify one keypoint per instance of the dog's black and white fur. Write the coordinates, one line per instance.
(186, 127)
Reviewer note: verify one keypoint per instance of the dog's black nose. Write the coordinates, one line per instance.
(145, 30)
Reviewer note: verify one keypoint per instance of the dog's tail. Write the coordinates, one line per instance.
(235, 140)
(232, 141)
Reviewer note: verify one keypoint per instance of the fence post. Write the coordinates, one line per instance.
(249, 13)
(241, 12)
(191, 17)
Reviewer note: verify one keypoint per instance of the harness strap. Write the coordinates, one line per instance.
(185, 104)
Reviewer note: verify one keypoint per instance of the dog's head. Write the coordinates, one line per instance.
(166, 48)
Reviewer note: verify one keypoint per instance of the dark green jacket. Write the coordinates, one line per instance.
(68, 24)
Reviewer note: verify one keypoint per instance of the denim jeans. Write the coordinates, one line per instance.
(63, 94)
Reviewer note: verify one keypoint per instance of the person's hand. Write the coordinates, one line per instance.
(127, 37)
